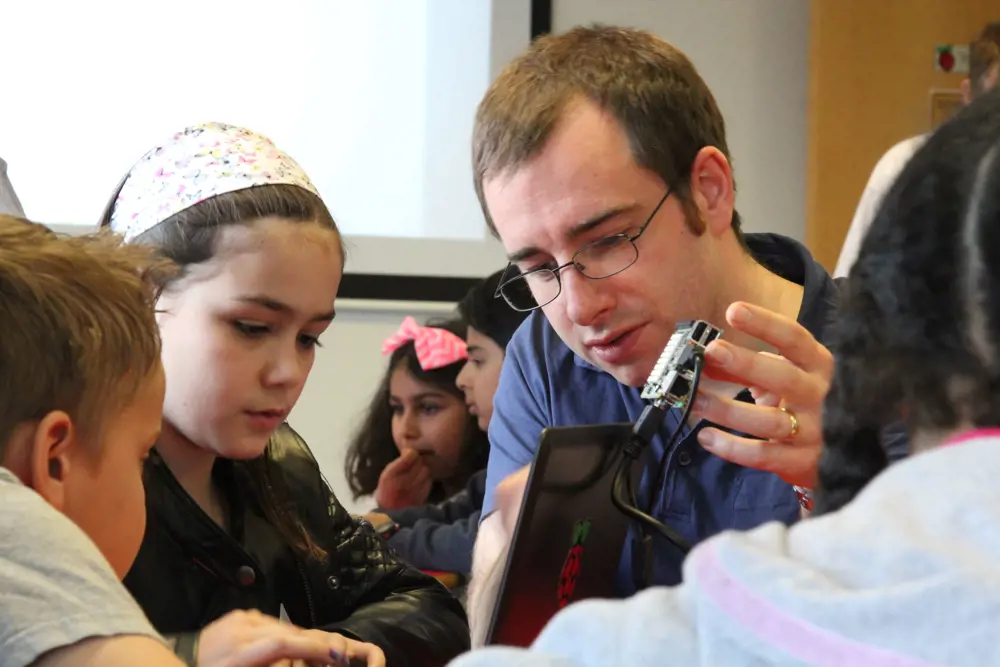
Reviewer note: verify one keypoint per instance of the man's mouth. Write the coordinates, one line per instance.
(616, 347)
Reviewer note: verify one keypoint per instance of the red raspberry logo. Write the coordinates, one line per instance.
(946, 59)
(571, 568)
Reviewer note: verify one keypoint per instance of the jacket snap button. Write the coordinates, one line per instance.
(333, 583)
(684, 458)
(246, 576)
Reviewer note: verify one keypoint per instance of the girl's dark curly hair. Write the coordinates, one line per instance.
(918, 336)
(372, 447)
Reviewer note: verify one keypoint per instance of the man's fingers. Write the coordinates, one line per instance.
(788, 337)
(764, 397)
(767, 372)
(758, 420)
(716, 372)
(794, 464)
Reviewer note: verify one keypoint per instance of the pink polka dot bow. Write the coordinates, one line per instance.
(435, 347)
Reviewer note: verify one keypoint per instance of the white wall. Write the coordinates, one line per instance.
(752, 53)
(377, 109)
(754, 56)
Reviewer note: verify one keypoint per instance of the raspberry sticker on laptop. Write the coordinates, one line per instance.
(571, 568)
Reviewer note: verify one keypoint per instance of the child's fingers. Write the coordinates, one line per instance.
(406, 461)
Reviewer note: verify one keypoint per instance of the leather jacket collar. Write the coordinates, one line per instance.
(190, 571)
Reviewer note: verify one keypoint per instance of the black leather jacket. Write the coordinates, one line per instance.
(190, 572)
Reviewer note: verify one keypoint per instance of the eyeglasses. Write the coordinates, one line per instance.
(601, 259)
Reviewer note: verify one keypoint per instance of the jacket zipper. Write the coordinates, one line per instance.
(309, 597)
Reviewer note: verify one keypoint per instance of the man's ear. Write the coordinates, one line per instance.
(712, 189)
(53, 446)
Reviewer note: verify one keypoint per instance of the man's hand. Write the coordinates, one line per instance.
(251, 639)
(788, 389)
(509, 494)
(405, 482)
(490, 553)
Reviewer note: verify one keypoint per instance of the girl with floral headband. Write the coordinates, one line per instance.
(238, 513)
(418, 443)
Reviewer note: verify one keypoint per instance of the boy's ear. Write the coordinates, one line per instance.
(53, 445)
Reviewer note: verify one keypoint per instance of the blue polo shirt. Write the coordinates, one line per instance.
(543, 383)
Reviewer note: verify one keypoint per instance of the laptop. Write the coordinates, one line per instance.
(569, 537)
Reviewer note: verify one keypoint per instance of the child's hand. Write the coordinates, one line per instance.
(404, 483)
(354, 653)
(251, 639)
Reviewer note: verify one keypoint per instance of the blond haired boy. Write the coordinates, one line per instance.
(81, 394)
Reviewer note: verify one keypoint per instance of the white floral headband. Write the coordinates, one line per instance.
(198, 163)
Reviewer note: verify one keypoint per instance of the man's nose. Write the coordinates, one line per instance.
(585, 299)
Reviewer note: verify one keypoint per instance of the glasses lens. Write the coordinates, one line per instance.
(606, 257)
(531, 290)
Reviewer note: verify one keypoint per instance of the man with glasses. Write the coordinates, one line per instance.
(601, 163)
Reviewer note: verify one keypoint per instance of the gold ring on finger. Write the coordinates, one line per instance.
(795, 423)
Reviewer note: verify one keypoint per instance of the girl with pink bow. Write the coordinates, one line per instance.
(418, 442)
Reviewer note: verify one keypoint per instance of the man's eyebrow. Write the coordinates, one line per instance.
(576, 231)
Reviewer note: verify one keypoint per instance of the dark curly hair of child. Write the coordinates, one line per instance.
(918, 335)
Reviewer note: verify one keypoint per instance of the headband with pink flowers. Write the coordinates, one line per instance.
(435, 348)
(199, 162)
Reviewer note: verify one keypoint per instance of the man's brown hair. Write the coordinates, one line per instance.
(647, 85)
(984, 57)
(77, 325)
